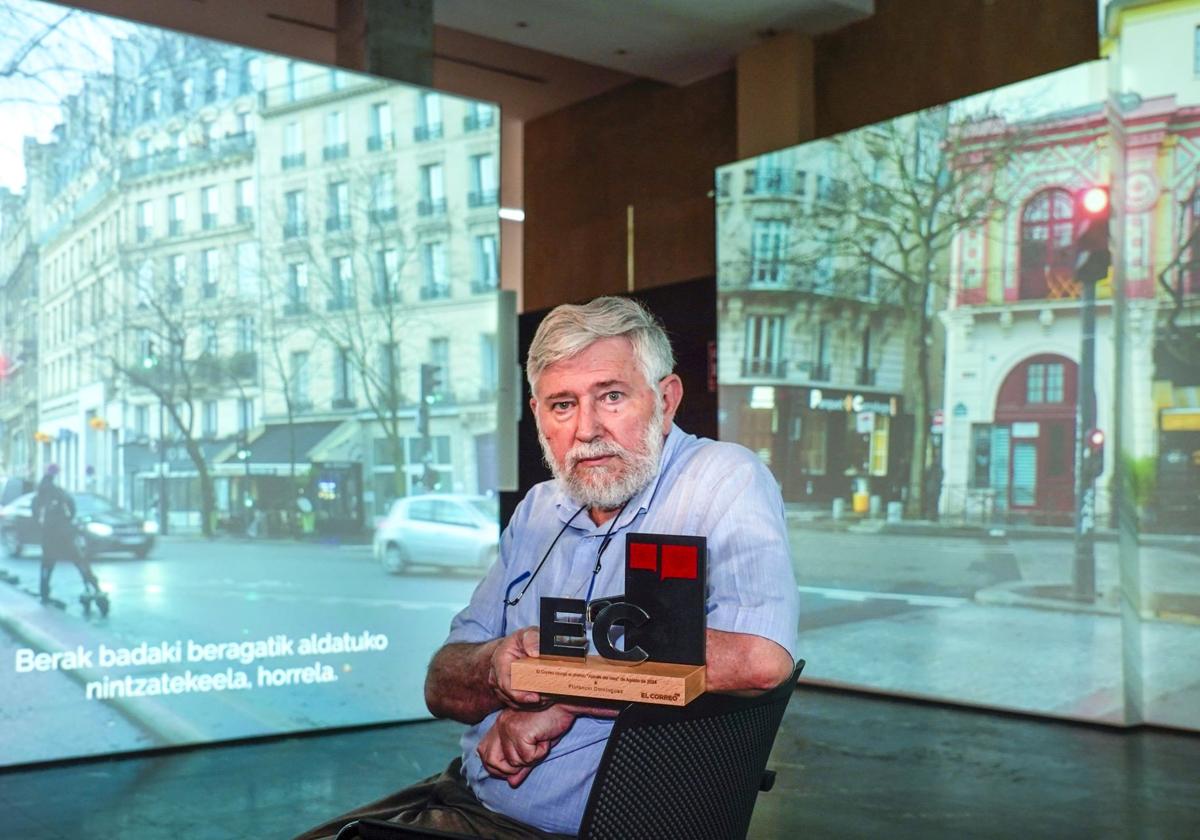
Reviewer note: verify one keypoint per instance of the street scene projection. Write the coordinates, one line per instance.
(985, 504)
(248, 320)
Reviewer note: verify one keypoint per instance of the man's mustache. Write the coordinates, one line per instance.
(594, 449)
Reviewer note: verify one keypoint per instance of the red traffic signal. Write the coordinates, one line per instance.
(1095, 438)
(1094, 201)
(1092, 256)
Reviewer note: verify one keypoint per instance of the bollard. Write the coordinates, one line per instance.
(895, 511)
(839, 508)
(875, 507)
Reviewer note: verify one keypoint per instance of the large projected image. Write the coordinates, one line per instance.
(901, 330)
(248, 379)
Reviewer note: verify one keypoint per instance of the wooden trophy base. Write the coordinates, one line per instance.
(664, 683)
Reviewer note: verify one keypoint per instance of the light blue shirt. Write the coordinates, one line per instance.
(704, 488)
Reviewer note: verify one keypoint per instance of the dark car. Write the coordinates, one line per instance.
(101, 527)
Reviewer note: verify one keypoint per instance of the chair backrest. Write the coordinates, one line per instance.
(690, 772)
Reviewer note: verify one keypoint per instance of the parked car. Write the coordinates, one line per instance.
(439, 530)
(101, 527)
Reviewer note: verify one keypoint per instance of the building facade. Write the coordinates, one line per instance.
(221, 248)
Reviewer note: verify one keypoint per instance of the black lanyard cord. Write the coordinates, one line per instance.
(512, 602)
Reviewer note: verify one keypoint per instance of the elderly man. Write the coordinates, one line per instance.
(604, 398)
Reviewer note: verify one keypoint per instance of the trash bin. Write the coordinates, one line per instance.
(860, 499)
(839, 508)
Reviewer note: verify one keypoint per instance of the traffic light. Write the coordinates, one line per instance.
(1093, 454)
(431, 383)
(1092, 255)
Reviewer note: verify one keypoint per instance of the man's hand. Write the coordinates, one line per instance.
(519, 644)
(520, 739)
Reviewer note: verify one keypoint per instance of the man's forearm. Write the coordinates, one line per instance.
(742, 662)
(456, 685)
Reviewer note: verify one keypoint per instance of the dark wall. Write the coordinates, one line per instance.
(655, 147)
(688, 311)
(911, 55)
(646, 144)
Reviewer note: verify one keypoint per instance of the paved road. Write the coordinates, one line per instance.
(201, 592)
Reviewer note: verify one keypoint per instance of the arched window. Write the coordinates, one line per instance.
(1047, 224)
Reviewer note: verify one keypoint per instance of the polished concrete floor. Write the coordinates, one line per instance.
(848, 766)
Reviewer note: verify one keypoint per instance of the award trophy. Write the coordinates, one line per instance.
(663, 619)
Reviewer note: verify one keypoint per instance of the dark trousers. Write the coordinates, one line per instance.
(444, 802)
(90, 582)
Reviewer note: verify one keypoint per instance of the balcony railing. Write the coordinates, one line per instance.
(208, 221)
(769, 180)
(765, 368)
(343, 402)
(382, 215)
(336, 223)
(175, 227)
(382, 298)
(296, 307)
(819, 373)
(381, 142)
(243, 364)
(209, 289)
(484, 285)
(294, 161)
(430, 131)
(144, 233)
(232, 145)
(294, 230)
(431, 207)
(245, 215)
(336, 151)
(435, 292)
(864, 376)
(482, 198)
(477, 120)
(338, 303)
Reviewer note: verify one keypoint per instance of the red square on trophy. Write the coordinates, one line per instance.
(679, 561)
(643, 556)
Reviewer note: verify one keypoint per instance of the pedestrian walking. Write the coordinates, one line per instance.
(54, 511)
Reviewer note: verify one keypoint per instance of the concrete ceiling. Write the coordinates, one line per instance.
(674, 41)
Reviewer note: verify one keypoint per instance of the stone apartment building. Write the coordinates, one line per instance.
(188, 308)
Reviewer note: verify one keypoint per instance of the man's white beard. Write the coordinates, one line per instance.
(609, 486)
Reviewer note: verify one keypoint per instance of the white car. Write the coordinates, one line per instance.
(439, 530)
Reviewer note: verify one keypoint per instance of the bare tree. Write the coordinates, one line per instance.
(889, 202)
(164, 352)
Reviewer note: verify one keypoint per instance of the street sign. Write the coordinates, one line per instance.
(939, 421)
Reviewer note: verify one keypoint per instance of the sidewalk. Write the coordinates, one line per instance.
(808, 517)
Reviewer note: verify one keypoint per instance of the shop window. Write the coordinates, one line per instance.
(879, 445)
(813, 437)
(981, 455)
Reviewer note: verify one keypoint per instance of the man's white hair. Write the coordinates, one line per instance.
(570, 329)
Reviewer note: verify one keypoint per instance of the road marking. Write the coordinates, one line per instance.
(908, 598)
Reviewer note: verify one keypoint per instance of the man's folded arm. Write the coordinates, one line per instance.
(744, 662)
(456, 685)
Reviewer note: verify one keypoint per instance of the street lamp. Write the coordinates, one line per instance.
(1092, 262)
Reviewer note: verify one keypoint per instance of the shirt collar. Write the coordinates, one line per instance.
(567, 506)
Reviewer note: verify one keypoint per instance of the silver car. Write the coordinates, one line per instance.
(439, 530)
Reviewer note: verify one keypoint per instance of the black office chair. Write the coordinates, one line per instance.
(691, 772)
